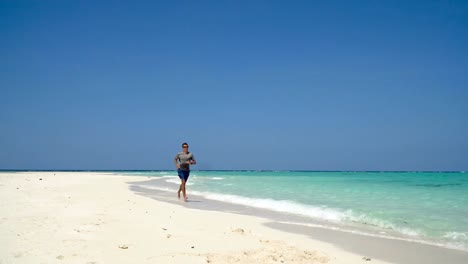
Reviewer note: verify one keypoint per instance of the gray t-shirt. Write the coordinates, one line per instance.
(183, 158)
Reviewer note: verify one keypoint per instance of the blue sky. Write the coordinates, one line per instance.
(280, 85)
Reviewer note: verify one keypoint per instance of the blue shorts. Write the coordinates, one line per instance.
(183, 174)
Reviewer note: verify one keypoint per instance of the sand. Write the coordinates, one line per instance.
(89, 217)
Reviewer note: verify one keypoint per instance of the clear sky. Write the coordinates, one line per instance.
(262, 85)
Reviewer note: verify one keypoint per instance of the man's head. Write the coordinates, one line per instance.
(184, 146)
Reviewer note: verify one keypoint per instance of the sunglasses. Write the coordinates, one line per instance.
(185, 147)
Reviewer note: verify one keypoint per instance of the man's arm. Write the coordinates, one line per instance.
(176, 163)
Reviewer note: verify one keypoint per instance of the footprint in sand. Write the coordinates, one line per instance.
(239, 231)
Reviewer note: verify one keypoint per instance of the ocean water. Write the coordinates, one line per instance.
(428, 207)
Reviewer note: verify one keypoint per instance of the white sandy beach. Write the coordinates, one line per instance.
(88, 217)
(77, 217)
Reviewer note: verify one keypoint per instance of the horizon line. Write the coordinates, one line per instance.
(249, 170)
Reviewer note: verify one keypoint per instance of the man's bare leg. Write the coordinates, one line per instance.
(180, 188)
(183, 190)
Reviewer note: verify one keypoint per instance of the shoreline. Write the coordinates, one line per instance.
(219, 203)
(391, 249)
(89, 217)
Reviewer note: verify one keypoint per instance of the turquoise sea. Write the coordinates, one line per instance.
(429, 207)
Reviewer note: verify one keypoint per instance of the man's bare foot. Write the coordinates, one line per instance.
(178, 195)
(186, 198)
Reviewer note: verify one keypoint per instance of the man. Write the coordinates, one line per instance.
(182, 161)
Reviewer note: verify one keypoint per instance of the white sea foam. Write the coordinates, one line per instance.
(364, 219)
(176, 180)
(459, 236)
(457, 240)
(316, 212)
(279, 206)
(217, 178)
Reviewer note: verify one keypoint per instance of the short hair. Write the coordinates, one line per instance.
(184, 144)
